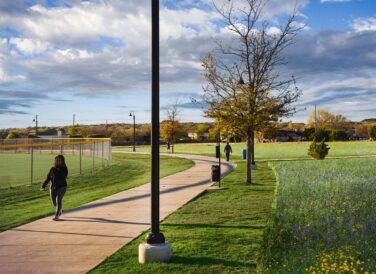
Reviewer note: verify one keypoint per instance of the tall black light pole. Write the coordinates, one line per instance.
(220, 152)
(154, 249)
(36, 124)
(134, 130)
(155, 236)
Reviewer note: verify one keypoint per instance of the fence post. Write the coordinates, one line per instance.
(32, 166)
(102, 154)
(93, 156)
(80, 158)
(109, 153)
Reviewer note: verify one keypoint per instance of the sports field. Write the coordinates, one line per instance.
(268, 151)
(22, 204)
(15, 169)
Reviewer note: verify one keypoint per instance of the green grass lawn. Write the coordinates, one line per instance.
(219, 232)
(267, 151)
(324, 220)
(23, 204)
(15, 168)
(322, 215)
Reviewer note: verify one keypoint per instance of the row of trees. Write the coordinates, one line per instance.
(329, 127)
(172, 130)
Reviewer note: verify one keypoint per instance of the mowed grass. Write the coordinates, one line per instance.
(219, 232)
(325, 217)
(15, 169)
(269, 151)
(23, 204)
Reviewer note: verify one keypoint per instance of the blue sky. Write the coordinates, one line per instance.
(92, 58)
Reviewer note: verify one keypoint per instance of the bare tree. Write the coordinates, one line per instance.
(245, 88)
(171, 128)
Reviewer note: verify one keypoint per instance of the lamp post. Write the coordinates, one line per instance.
(155, 249)
(219, 158)
(134, 130)
(35, 120)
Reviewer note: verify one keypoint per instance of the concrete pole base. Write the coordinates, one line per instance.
(148, 253)
(254, 167)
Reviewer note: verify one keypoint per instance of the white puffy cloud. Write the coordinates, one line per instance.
(364, 24)
(5, 54)
(29, 46)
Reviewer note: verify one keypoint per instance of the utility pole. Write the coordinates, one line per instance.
(219, 158)
(74, 119)
(134, 130)
(35, 120)
(315, 119)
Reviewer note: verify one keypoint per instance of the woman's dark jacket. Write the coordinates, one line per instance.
(57, 176)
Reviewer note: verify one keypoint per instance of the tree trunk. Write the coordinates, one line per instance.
(249, 160)
(172, 147)
(253, 147)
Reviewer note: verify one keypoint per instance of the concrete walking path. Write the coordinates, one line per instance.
(85, 236)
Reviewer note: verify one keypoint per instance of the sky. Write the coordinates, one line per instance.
(92, 58)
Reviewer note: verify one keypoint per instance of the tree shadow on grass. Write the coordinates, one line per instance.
(262, 190)
(215, 226)
(209, 261)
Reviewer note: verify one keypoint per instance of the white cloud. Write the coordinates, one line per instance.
(29, 46)
(364, 24)
(329, 1)
(71, 54)
(5, 54)
(274, 31)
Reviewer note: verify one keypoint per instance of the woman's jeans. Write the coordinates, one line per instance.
(57, 197)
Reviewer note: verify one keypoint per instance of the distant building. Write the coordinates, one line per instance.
(52, 133)
(192, 135)
(369, 120)
(195, 136)
(288, 136)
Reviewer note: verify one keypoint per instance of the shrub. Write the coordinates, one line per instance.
(321, 134)
(309, 133)
(76, 136)
(13, 135)
(97, 136)
(317, 150)
(338, 135)
(372, 132)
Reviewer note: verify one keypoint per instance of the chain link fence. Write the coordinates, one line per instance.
(27, 161)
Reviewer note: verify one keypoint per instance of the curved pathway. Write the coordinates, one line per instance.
(88, 234)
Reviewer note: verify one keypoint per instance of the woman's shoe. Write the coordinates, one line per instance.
(56, 218)
(60, 212)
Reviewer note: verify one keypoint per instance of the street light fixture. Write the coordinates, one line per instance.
(134, 130)
(35, 120)
(155, 249)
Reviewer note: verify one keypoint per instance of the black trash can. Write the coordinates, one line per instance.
(216, 173)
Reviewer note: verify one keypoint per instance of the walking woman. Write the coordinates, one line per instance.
(58, 177)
